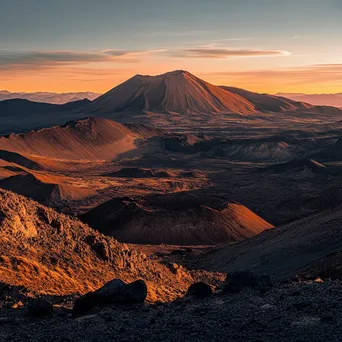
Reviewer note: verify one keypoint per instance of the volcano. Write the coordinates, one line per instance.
(174, 92)
(183, 93)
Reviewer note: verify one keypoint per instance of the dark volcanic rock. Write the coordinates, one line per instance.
(101, 250)
(40, 308)
(114, 292)
(243, 317)
(237, 281)
(200, 290)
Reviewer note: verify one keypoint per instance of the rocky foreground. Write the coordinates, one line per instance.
(292, 311)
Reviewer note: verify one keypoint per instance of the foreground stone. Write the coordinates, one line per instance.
(40, 308)
(114, 292)
(200, 290)
(239, 280)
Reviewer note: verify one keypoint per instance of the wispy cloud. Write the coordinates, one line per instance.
(191, 33)
(231, 39)
(39, 60)
(212, 52)
(46, 59)
(301, 37)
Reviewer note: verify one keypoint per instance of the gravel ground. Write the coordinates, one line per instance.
(288, 312)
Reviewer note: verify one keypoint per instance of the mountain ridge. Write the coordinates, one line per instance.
(331, 99)
(48, 97)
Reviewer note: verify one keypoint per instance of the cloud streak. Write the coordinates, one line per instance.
(33, 60)
(46, 59)
(224, 53)
(190, 33)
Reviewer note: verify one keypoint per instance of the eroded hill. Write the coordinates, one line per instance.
(90, 138)
(177, 219)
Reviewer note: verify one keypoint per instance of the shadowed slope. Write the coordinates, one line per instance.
(19, 115)
(43, 188)
(25, 107)
(298, 166)
(269, 103)
(333, 152)
(179, 219)
(285, 250)
(28, 185)
(12, 157)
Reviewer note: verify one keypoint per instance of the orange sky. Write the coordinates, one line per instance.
(261, 45)
(319, 78)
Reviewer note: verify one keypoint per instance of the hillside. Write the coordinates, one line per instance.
(269, 103)
(51, 253)
(298, 167)
(176, 219)
(16, 107)
(332, 152)
(286, 250)
(90, 138)
(16, 158)
(43, 189)
(264, 149)
(19, 115)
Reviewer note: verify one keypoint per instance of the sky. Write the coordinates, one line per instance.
(85, 45)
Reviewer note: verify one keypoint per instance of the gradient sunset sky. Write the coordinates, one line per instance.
(260, 45)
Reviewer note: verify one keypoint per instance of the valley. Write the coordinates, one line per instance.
(174, 181)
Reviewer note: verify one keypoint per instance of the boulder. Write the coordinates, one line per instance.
(237, 281)
(101, 250)
(200, 290)
(114, 292)
(40, 308)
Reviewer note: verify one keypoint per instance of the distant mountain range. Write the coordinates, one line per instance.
(175, 99)
(47, 97)
(334, 100)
